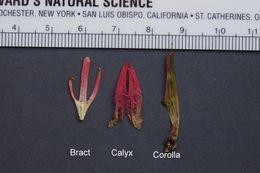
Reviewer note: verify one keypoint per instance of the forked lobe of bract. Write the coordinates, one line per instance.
(82, 104)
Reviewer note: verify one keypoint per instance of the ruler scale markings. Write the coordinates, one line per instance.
(249, 43)
(228, 43)
(144, 41)
(67, 39)
(75, 40)
(52, 37)
(24, 39)
(135, 40)
(238, 43)
(152, 39)
(257, 43)
(88, 40)
(148, 41)
(112, 40)
(25, 36)
(54, 40)
(35, 42)
(93, 40)
(115, 40)
(179, 42)
(246, 42)
(108, 41)
(70, 40)
(135, 46)
(192, 42)
(164, 41)
(4, 39)
(12, 39)
(38, 40)
(30, 39)
(199, 42)
(206, 42)
(203, 41)
(1, 35)
(182, 42)
(80, 40)
(16, 42)
(253, 42)
(242, 43)
(105, 40)
(132, 41)
(128, 41)
(18, 38)
(138, 40)
(102, 41)
(160, 41)
(118, 38)
(195, 42)
(31, 42)
(96, 40)
(188, 42)
(8, 38)
(221, 42)
(60, 37)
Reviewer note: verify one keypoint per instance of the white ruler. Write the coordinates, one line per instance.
(133, 24)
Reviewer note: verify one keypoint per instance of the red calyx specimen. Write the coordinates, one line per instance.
(128, 98)
(83, 103)
(171, 103)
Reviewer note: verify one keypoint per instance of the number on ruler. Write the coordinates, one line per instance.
(149, 29)
(14, 27)
(252, 31)
(183, 30)
(47, 28)
(220, 31)
(80, 28)
(114, 27)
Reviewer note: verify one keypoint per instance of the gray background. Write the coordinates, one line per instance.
(220, 108)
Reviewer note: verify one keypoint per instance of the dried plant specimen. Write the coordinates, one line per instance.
(128, 98)
(83, 103)
(171, 103)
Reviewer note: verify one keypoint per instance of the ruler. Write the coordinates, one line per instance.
(131, 24)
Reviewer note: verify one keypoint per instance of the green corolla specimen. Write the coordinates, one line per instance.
(171, 103)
